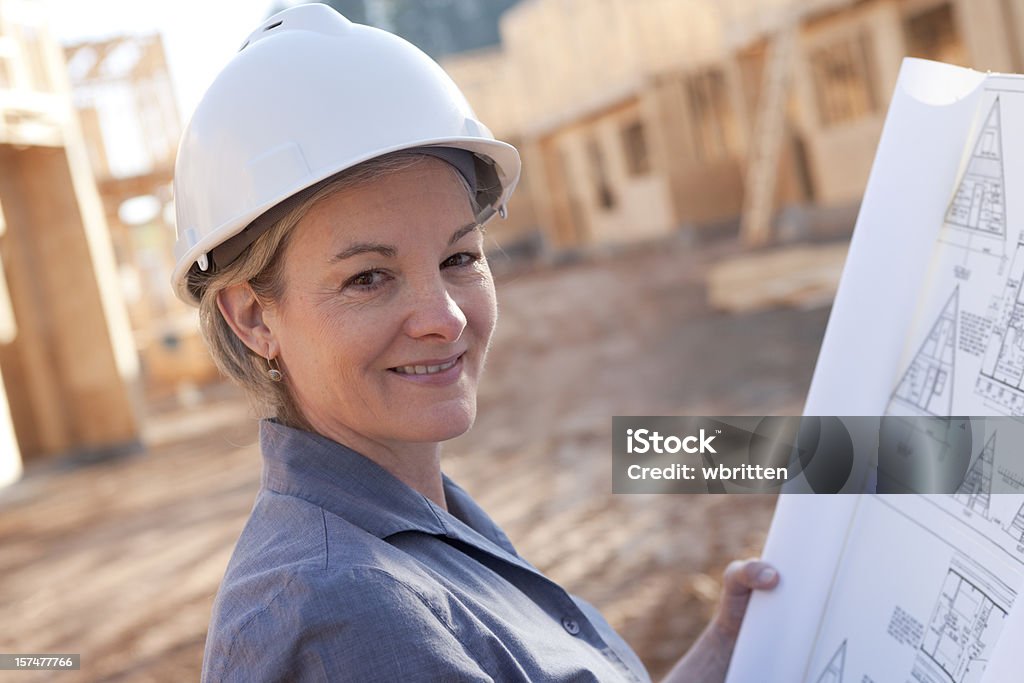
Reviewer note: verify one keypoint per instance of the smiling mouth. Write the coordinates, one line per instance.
(426, 369)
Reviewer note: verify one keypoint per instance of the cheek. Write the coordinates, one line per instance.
(328, 342)
(485, 308)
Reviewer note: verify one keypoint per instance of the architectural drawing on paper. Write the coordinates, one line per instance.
(833, 673)
(977, 215)
(965, 624)
(1001, 379)
(927, 384)
(1010, 480)
(1016, 526)
(976, 490)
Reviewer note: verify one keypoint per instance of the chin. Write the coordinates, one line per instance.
(444, 423)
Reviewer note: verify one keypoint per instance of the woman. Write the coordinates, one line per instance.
(331, 191)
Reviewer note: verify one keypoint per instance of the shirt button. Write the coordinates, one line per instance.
(570, 625)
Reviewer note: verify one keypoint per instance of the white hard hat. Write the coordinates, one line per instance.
(311, 94)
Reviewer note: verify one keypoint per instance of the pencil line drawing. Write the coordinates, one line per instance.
(977, 213)
(927, 384)
(1001, 377)
(966, 622)
(833, 672)
(1016, 526)
(975, 493)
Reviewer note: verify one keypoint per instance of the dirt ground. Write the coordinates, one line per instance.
(120, 560)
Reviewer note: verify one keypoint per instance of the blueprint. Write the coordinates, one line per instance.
(880, 588)
(928, 322)
(964, 354)
(942, 626)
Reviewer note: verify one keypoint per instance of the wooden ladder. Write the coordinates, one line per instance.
(769, 131)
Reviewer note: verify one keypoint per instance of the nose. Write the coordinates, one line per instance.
(435, 313)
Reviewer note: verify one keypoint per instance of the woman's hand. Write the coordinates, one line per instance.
(742, 577)
(708, 659)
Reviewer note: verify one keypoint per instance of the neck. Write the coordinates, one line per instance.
(417, 465)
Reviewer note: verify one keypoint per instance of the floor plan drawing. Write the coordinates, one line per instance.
(927, 384)
(965, 623)
(975, 493)
(833, 673)
(977, 214)
(1001, 379)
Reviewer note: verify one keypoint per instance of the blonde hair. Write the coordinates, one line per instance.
(261, 266)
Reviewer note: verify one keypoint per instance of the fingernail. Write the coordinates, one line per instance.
(767, 575)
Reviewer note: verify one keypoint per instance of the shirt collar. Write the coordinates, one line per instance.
(353, 487)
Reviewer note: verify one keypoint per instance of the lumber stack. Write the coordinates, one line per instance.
(804, 276)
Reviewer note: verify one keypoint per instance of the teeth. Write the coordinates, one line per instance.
(425, 369)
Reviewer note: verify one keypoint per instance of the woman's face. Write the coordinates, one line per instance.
(388, 310)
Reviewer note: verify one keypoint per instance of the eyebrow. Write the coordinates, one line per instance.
(463, 231)
(389, 251)
(364, 248)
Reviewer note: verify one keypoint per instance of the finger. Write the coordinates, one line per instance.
(740, 579)
(743, 576)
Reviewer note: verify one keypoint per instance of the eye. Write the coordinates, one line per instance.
(462, 259)
(368, 280)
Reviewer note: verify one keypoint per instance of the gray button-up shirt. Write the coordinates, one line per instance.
(344, 573)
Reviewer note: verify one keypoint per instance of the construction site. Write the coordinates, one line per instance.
(692, 175)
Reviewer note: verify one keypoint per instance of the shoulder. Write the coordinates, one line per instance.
(290, 553)
(308, 596)
(356, 623)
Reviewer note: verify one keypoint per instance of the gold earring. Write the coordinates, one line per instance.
(274, 370)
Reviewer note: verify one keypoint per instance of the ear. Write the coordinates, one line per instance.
(246, 316)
